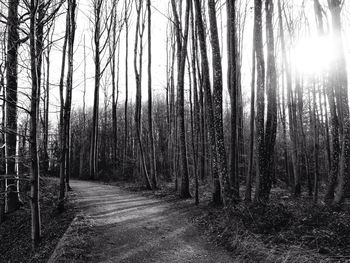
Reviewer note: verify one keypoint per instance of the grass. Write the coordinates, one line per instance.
(286, 230)
(15, 232)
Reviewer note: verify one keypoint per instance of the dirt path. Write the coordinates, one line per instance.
(117, 226)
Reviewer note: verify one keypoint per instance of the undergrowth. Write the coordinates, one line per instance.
(292, 230)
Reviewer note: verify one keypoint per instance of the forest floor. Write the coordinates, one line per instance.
(114, 225)
(287, 230)
(15, 232)
(121, 222)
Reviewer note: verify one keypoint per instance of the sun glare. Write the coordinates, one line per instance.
(313, 55)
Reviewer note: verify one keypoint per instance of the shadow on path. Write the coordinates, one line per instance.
(117, 226)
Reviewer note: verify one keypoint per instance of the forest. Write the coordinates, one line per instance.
(232, 114)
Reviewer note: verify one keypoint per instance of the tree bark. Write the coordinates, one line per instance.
(233, 86)
(34, 110)
(217, 106)
(11, 101)
(340, 82)
(150, 114)
(181, 60)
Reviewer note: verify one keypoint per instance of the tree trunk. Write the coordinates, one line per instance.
(266, 133)
(93, 162)
(248, 190)
(62, 158)
(233, 85)
(217, 106)
(69, 89)
(11, 101)
(150, 118)
(138, 75)
(340, 82)
(126, 21)
(35, 98)
(181, 60)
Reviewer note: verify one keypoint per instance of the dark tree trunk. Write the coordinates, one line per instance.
(11, 101)
(181, 60)
(150, 117)
(34, 115)
(340, 82)
(233, 85)
(217, 106)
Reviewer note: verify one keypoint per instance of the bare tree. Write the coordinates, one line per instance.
(266, 133)
(138, 53)
(150, 118)
(340, 82)
(13, 42)
(217, 105)
(181, 40)
(34, 115)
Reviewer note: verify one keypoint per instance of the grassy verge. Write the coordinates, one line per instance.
(15, 232)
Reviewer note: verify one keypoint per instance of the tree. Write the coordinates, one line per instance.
(232, 54)
(100, 30)
(65, 111)
(217, 105)
(150, 118)
(266, 133)
(181, 40)
(126, 132)
(62, 137)
(138, 52)
(340, 82)
(34, 115)
(68, 101)
(13, 42)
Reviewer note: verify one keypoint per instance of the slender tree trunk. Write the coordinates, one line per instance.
(138, 75)
(266, 133)
(69, 89)
(126, 84)
(11, 101)
(208, 107)
(316, 146)
(47, 110)
(340, 82)
(150, 118)
(112, 50)
(248, 190)
(35, 98)
(83, 147)
(196, 108)
(233, 89)
(62, 158)
(291, 111)
(181, 60)
(93, 162)
(217, 106)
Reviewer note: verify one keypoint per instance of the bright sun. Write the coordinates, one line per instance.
(313, 55)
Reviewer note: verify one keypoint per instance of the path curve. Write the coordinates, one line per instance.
(113, 225)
